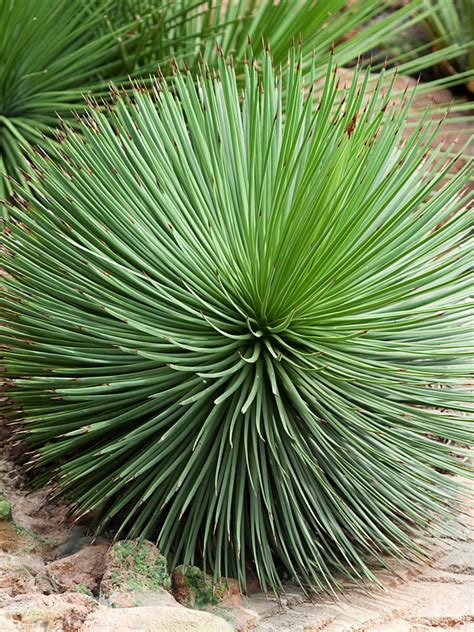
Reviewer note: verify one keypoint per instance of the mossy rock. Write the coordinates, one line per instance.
(134, 566)
(194, 588)
(5, 510)
(82, 589)
(16, 539)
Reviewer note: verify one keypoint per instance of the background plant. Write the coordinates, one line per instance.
(53, 53)
(447, 29)
(453, 23)
(225, 317)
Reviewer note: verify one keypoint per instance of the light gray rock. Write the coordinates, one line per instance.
(140, 598)
(154, 619)
(54, 613)
(84, 568)
(460, 558)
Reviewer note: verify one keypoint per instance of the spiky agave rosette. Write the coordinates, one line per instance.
(225, 316)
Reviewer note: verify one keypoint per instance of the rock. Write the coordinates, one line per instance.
(55, 613)
(133, 570)
(5, 510)
(82, 589)
(45, 583)
(438, 604)
(5, 599)
(242, 619)
(24, 573)
(13, 568)
(392, 626)
(22, 582)
(72, 542)
(434, 599)
(85, 567)
(267, 604)
(233, 594)
(460, 559)
(141, 598)
(6, 625)
(253, 585)
(16, 539)
(195, 589)
(10, 538)
(154, 619)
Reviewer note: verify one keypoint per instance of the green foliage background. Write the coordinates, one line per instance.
(54, 53)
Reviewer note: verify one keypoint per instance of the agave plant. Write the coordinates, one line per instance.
(224, 317)
(447, 30)
(55, 52)
(320, 24)
(452, 22)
